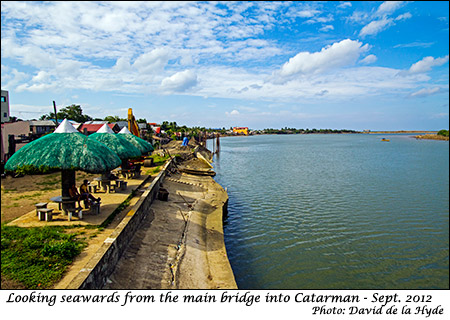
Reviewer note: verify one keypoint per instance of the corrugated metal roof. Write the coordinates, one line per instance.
(43, 123)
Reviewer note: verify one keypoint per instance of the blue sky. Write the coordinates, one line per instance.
(354, 65)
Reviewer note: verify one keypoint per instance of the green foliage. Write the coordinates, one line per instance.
(113, 119)
(72, 112)
(37, 257)
(30, 170)
(158, 160)
(444, 133)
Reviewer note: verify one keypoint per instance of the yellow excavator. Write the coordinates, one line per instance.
(134, 129)
(132, 124)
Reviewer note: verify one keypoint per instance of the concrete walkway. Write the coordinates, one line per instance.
(179, 244)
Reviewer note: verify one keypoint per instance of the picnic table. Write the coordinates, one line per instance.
(106, 185)
(133, 172)
(67, 205)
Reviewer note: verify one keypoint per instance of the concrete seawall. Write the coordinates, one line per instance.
(100, 266)
(217, 273)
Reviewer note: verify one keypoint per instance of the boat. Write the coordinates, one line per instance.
(384, 139)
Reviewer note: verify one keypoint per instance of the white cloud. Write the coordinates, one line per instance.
(344, 5)
(426, 92)
(404, 16)
(426, 64)
(122, 64)
(326, 28)
(358, 17)
(152, 61)
(339, 54)
(232, 113)
(415, 44)
(295, 12)
(179, 82)
(376, 27)
(324, 19)
(389, 7)
(369, 59)
(382, 20)
(41, 76)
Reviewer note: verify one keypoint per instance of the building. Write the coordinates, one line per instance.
(5, 106)
(41, 127)
(122, 124)
(23, 132)
(240, 130)
(92, 128)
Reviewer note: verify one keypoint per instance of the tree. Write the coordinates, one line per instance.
(72, 112)
(113, 119)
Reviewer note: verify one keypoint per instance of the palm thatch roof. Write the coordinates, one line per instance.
(139, 143)
(65, 149)
(121, 146)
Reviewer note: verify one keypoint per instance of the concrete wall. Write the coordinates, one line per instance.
(102, 264)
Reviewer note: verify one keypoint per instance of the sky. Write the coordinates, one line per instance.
(303, 64)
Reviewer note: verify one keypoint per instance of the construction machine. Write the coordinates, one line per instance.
(132, 124)
(134, 129)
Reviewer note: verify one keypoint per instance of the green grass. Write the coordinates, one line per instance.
(55, 183)
(37, 257)
(4, 190)
(29, 196)
(158, 160)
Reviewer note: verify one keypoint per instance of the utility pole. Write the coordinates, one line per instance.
(56, 117)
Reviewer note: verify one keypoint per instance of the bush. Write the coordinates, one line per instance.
(444, 133)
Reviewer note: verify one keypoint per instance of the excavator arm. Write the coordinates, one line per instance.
(132, 124)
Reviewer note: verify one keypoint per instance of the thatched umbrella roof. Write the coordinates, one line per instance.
(121, 146)
(65, 149)
(68, 150)
(139, 143)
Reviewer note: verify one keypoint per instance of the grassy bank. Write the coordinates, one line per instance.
(432, 137)
(36, 258)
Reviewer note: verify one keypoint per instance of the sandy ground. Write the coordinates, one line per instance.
(19, 195)
(179, 244)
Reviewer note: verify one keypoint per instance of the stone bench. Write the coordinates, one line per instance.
(40, 205)
(45, 214)
(76, 211)
(122, 185)
(111, 188)
(95, 208)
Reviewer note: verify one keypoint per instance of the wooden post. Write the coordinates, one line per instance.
(67, 180)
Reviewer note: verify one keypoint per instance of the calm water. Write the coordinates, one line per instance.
(336, 211)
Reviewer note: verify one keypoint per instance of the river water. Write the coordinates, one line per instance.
(344, 211)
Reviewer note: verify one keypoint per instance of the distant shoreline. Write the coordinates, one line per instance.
(401, 131)
(432, 137)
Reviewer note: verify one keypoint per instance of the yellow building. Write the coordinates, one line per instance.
(241, 130)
